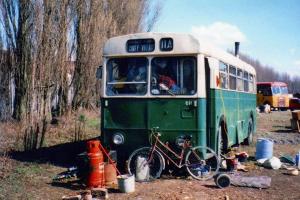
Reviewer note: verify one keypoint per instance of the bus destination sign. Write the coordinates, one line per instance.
(166, 44)
(140, 45)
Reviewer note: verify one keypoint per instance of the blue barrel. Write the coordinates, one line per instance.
(264, 148)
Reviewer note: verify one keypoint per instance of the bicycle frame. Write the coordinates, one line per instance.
(180, 156)
(201, 162)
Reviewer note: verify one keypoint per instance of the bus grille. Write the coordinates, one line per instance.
(281, 102)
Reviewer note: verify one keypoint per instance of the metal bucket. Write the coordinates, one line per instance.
(126, 183)
(264, 148)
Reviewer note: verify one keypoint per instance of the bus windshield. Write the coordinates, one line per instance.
(275, 90)
(284, 90)
(126, 76)
(173, 76)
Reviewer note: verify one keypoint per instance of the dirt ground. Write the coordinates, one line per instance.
(29, 175)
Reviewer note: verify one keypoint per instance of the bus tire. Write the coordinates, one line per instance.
(222, 141)
(249, 139)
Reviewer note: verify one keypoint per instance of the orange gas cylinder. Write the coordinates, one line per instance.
(110, 173)
(95, 176)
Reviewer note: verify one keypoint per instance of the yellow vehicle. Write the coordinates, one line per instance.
(274, 94)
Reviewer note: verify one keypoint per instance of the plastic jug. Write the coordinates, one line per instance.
(297, 159)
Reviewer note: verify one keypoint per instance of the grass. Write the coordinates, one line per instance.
(16, 183)
(32, 180)
(64, 131)
(26, 181)
(93, 123)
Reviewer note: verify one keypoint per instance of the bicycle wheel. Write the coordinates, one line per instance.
(155, 163)
(202, 163)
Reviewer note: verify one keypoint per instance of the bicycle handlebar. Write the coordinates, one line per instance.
(154, 131)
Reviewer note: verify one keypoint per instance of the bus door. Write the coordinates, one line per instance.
(208, 102)
(172, 114)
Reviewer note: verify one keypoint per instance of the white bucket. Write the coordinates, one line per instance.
(126, 183)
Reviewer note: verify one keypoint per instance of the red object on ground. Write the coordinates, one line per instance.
(95, 176)
(295, 104)
(109, 158)
(110, 173)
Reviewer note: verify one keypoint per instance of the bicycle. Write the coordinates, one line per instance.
(202, 163)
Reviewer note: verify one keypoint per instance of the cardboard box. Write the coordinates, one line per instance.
(295, 124)
(296, 115)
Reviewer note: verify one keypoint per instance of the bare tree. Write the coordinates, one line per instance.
(97, 21)
(43, 37)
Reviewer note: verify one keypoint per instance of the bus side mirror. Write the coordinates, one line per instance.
(99, 72)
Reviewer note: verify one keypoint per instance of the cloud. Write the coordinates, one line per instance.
(221, 34)
(297, 63)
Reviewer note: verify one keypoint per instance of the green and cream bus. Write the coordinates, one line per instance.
(177, 83)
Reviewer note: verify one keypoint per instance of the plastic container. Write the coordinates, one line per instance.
(126, 183)
(142, 169)
(297, 160)
(264, 148)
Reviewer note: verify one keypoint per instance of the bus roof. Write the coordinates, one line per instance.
(275, 83)
(184, 44)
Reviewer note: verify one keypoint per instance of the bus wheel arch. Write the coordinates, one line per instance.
(250, 131)
(222, 136)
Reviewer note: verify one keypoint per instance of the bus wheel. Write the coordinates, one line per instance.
(249, 139)
(155, 164)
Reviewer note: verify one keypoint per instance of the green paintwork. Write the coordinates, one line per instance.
(236, 108)
(135, 117)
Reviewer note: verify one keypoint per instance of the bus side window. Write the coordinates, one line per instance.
(223, 68)
(246, 82)
(251, 83)
(232, 77)
(240, 80)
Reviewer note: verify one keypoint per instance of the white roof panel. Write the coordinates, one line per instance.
(183, 44)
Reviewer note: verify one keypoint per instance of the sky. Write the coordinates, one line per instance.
(269, 30)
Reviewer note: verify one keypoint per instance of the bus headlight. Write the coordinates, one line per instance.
(118, 138)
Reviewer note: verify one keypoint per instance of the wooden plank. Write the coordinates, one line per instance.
(298, 126)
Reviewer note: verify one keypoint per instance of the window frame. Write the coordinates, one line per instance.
(180, 61)
(232, 75)
(224, 73)
(107, 82)
(246, 80)
(239, 76)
